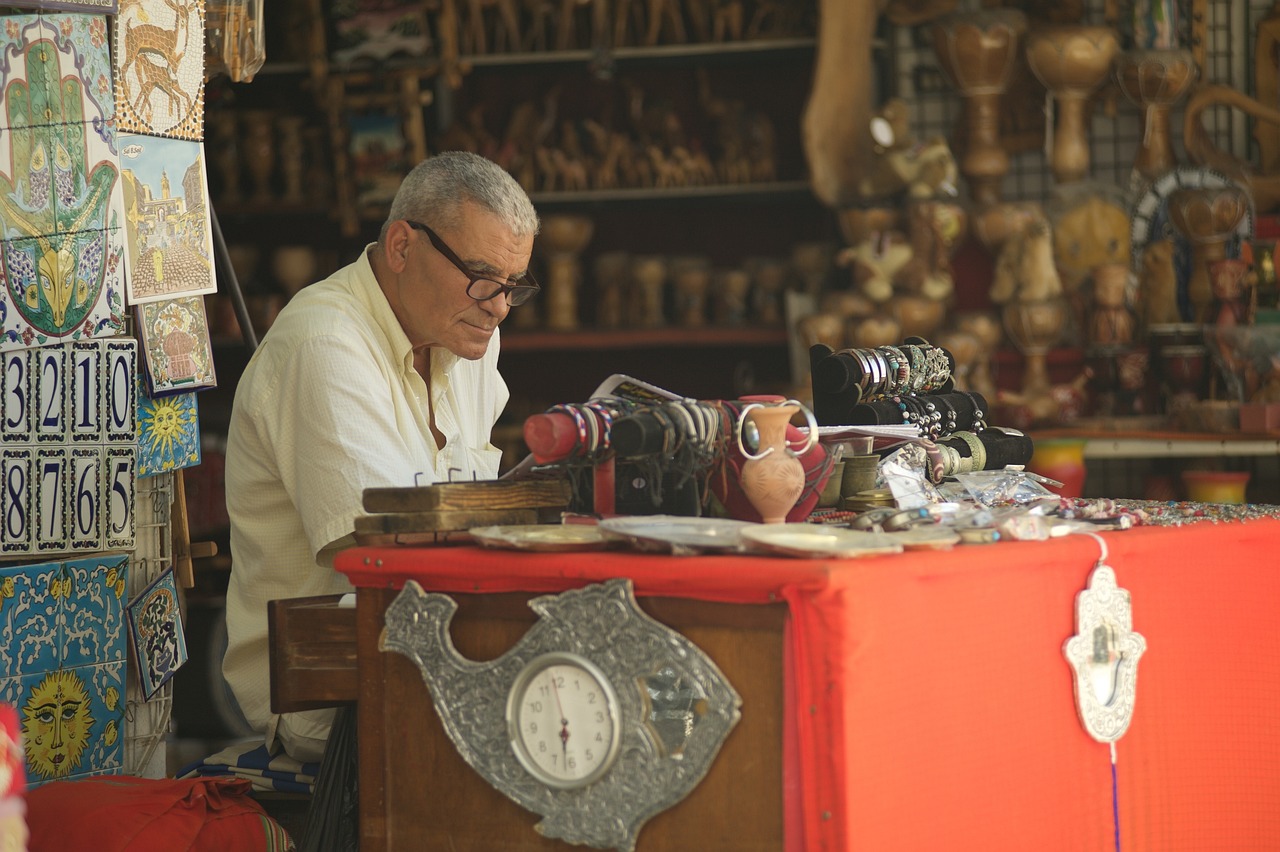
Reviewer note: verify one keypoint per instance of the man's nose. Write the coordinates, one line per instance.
(497, 306)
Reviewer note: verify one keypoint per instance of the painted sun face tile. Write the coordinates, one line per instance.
(160, 67)
(72, 722)
(169, 241)
(168, 432)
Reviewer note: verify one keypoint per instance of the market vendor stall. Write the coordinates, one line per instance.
(930, 698)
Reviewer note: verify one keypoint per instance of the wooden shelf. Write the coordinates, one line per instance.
(642, 338)
(797, 190)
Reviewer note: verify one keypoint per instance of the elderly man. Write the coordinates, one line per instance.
(384, 374)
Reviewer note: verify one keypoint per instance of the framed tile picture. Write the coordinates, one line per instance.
(155, 623)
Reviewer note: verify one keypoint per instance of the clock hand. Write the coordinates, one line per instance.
(564, 723)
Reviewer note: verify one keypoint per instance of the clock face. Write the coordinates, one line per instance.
(562, 717)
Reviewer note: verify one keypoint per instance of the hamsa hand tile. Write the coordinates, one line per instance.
(82, 40)
(16, 390)
(30, 618)
(27, 204)
(17, 496)
(94, 628)
(60, 287)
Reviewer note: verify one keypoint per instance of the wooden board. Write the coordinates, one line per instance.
(494, 494)
(442, 521)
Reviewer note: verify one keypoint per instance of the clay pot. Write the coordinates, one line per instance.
(1061, 459)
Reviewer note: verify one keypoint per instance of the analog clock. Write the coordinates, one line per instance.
(562, 716)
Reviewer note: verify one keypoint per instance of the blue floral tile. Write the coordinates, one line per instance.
(30, 618)
(94, 629)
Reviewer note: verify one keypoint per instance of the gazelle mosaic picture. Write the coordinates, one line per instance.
(160, 67)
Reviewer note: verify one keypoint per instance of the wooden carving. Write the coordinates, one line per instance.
(1265, 188)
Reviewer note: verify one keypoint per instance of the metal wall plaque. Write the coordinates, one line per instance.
(597, 719)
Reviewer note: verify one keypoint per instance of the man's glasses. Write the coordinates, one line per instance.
(480, 288)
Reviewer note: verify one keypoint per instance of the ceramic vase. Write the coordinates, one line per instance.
(1215, 486)
(1072, 62)
(773, 478)
(648, 282)
(978, 52)
(1208, 217)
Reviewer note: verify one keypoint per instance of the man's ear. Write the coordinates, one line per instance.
(395, 246)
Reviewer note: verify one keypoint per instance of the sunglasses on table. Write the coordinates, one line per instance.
(479, 287)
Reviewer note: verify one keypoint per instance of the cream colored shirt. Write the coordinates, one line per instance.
(328, 406)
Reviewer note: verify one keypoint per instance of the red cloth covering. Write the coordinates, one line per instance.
(933, 706)
(111, 813)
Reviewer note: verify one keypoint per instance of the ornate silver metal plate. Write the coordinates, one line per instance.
(1104, 654)
(675, 708)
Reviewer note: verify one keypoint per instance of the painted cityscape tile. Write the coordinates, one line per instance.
(30, 607)
(159, 60)
(16, 495)
(155, 623)
(72, 721)
(93, 625)
(167, 233)
(84, 373)
(51, 381)
(175, 345)
(119, 497)
(16, 389)
(51, 478)
(168, 432)
(84, 498)
(119, 391)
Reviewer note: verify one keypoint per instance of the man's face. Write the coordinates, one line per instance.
(430, 298)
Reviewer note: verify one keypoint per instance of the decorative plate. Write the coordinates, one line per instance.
(542, 537)
(677, 534)
(817, 541)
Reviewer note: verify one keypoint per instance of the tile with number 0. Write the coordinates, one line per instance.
(15, 500)
(16, 389)
(119, 498)
(84, 498)
(119, 405)
(50, 374)
(50, 504)
(86, 392)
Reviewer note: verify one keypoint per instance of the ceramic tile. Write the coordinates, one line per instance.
(31, 72)
(17, 387)
(85, 89)
(155, 623)
(30, 618)
(84, 498)
(119, 391)
(62, 287)
(84, 372)
(93, 626)
(72, 721)
(16, 495)
(175, 345)
(119, 496)
(49, 504)
(168, 432)
(165, 186)
(27, 206)
(159, 61)
(51, 397)
(86, 180)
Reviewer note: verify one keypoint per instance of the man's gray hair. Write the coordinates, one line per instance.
(433, 193)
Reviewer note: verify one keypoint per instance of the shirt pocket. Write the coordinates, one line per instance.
(485, 461)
